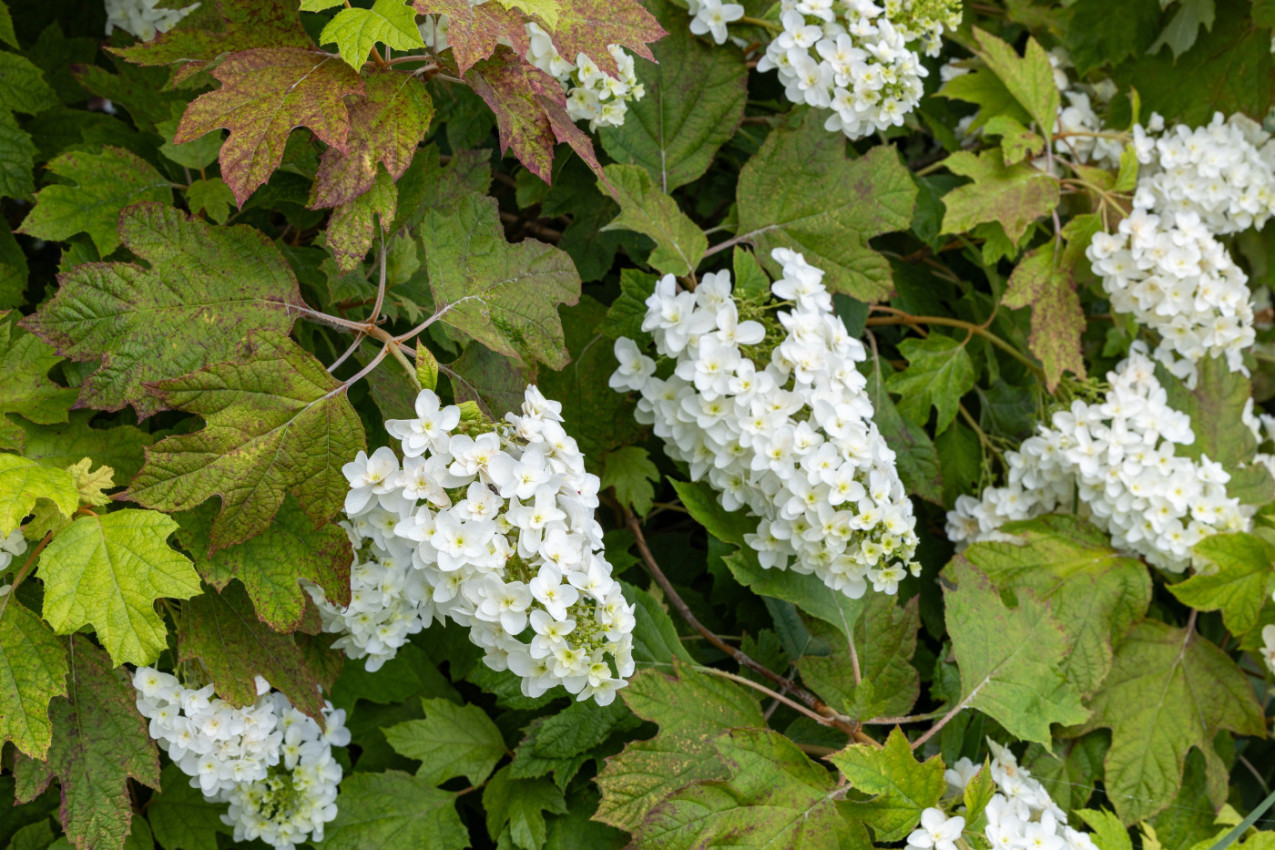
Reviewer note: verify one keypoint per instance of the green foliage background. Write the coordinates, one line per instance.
(219, 320)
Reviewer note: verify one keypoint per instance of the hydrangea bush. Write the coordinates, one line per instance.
(549, 424)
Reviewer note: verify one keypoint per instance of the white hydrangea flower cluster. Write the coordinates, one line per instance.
(1224, 173)
(1020, 815)
(1084, 139)
(143, 19)
(592, 94)
(270, 762)
(1164, 264)
(853, 57)
(777, 420)
(1115, 461)
(490, 525)
(1175, 277)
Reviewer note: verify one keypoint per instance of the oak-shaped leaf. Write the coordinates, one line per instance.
(452, 740)
(354, 224)
(1045, 282)
(530, 109)
(1094, 592)
(901, 787)
(884, 643)
(264, 94)
(1239, 578)
(99, 186)
(695, 95)
(236, 25)
(1169, 690)
(99, 743)
(25, 361)
(386, 125)
(107, 570)
(276, 423)
(1029, 78)
(387, 811)
(23, 482)
(479, 29)
(222, 632)
(203, 290)
(272, 564)
(33, 671)
(644, 208)
(356, 31)
(1010, 658)
(505, 296)
(857, 200)
(1013, 195)
(691, 709)
(939, 373)
(775, 797)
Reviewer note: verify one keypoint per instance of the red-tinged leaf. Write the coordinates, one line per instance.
(265, 93)
(353, 225)
(1045, 282)
(99, 743)
(385, 127)
(245, 24)
(477, 31)
(223, 632)
(589, 26)
(530, 112)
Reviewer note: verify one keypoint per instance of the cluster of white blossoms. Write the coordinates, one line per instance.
(1079, 132)
(1170, 272)
(710, 17)
(854, 57)
(1165, 265)
(270, 762)
(774, 415)
(592, 94)
(1020, 815)
(490, 525)
(11, 547)
(143, 19)
(1115, 462)
(1224, 173)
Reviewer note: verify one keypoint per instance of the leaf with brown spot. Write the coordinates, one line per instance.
(1046, 284)
(265, 93)
(354, 224)
(223, 632)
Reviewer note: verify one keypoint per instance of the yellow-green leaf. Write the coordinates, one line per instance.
(356, 31)
(24, 481)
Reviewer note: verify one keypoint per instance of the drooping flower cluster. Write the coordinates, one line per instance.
(592, 94)
(1020, 815)
(270, 762)
(1173, 276)
(854, 57)
(1165, 264)
(143, 19)
(1224, 172)
(1114, 461)
(767, 405)
(490, 525)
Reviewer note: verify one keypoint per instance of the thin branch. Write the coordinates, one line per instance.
(778, 697)
(840, 721)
